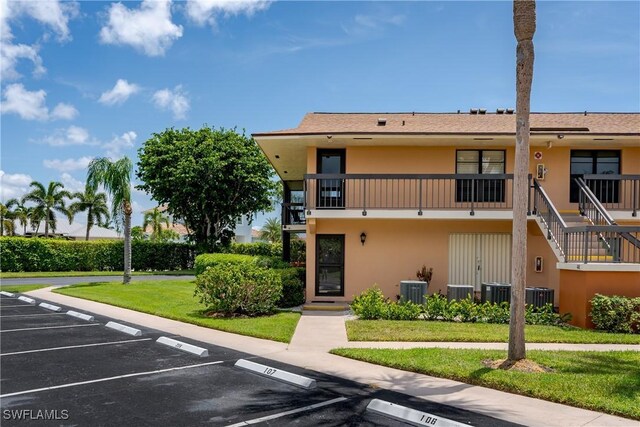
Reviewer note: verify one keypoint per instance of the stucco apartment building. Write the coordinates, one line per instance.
(379, 195)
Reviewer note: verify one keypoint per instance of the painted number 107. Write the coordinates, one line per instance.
(270, 371)
(425, 419)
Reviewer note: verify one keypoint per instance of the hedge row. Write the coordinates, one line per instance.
(293, 278)
(616, 313)
(24, 254)
(298, 249)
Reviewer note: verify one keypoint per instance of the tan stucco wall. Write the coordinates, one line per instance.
(395, 249)
(577, 288)
(443, 160)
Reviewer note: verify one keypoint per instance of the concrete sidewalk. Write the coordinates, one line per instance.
(319, 332)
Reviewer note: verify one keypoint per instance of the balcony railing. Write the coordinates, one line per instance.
(293, 214)
(409, 192)
(616, 192)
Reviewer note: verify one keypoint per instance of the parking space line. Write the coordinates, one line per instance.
(19, 305)
(50, 327)
(74, 346)
(31, 315)
(291, 412)
(137, 374)
(7, 294)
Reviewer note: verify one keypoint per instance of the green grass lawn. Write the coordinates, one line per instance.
(24, 274)
(602, 381)
(422, 330)
(21, 288)
(174, 299)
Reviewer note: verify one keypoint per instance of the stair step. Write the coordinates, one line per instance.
(325, 307)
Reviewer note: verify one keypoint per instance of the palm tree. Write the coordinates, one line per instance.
(272, 230)
(6, 219)
(36, 216)
(115, 177)
(155, 219)
(524, 22)
(49, 199)
(20, 212)
(95, 204)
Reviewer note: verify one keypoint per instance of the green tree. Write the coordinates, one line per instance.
(271, 231)
(95, 204)
(208, 178)
(36, 216)
(49, 201)
(115, 177)
(6, 219)
(137, 233)
(155, 219)
(20, 212)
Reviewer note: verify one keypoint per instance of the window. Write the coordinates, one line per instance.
(596, 162)
(478, 188)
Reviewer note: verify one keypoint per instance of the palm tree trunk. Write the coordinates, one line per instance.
(89, 224)
(524, 18)
(127, 243)
(46, 224)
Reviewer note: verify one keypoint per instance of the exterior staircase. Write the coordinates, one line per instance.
(596, 246)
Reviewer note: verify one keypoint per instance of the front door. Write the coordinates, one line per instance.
(329, 265)
(331, 190)
(596, 162)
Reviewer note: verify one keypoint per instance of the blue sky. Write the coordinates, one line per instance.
(87, 79)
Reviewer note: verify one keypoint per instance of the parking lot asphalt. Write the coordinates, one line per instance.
(60, 370)
(63, 281)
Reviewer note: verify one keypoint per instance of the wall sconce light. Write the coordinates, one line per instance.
(560, 136)
(363, 237)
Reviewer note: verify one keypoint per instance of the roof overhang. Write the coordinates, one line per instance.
(287, 153)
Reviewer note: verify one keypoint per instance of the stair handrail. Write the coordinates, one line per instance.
(585, 191)
(552, 217)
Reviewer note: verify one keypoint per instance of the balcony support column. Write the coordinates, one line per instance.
(286, 246)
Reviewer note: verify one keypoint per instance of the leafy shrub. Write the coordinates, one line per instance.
(240, 288)
(210, 260)
(271, 262)
(545, 316)
(436, 307)
(494, 313)
(292, 287)
(256, 249)
(370, 304)
(298, 250)
(616, 313)
(33, 254)
(464, 310)
(402, 311)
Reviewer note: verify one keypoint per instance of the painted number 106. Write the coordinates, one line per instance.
(425, 419)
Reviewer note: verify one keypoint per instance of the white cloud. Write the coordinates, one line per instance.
(30, 105)
(13, 185)
(206, 11)
(119, 143)
(68, 165)
(71, 184)
(64, 111)
(120, 93)
(53, 14)
(175, 100)
(148, 29)
(372, 25)
(73, 135)
(10, 54)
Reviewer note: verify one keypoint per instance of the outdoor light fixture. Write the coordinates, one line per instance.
(363, 237)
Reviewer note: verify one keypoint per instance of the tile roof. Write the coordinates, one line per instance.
(462, 123)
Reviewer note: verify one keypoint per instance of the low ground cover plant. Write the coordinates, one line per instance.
(616, 313)
(372, 305)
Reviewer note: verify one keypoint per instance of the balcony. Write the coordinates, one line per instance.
(293, 217)
(616, 192)
(409, 195)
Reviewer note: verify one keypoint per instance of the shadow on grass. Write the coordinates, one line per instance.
(85, 285)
